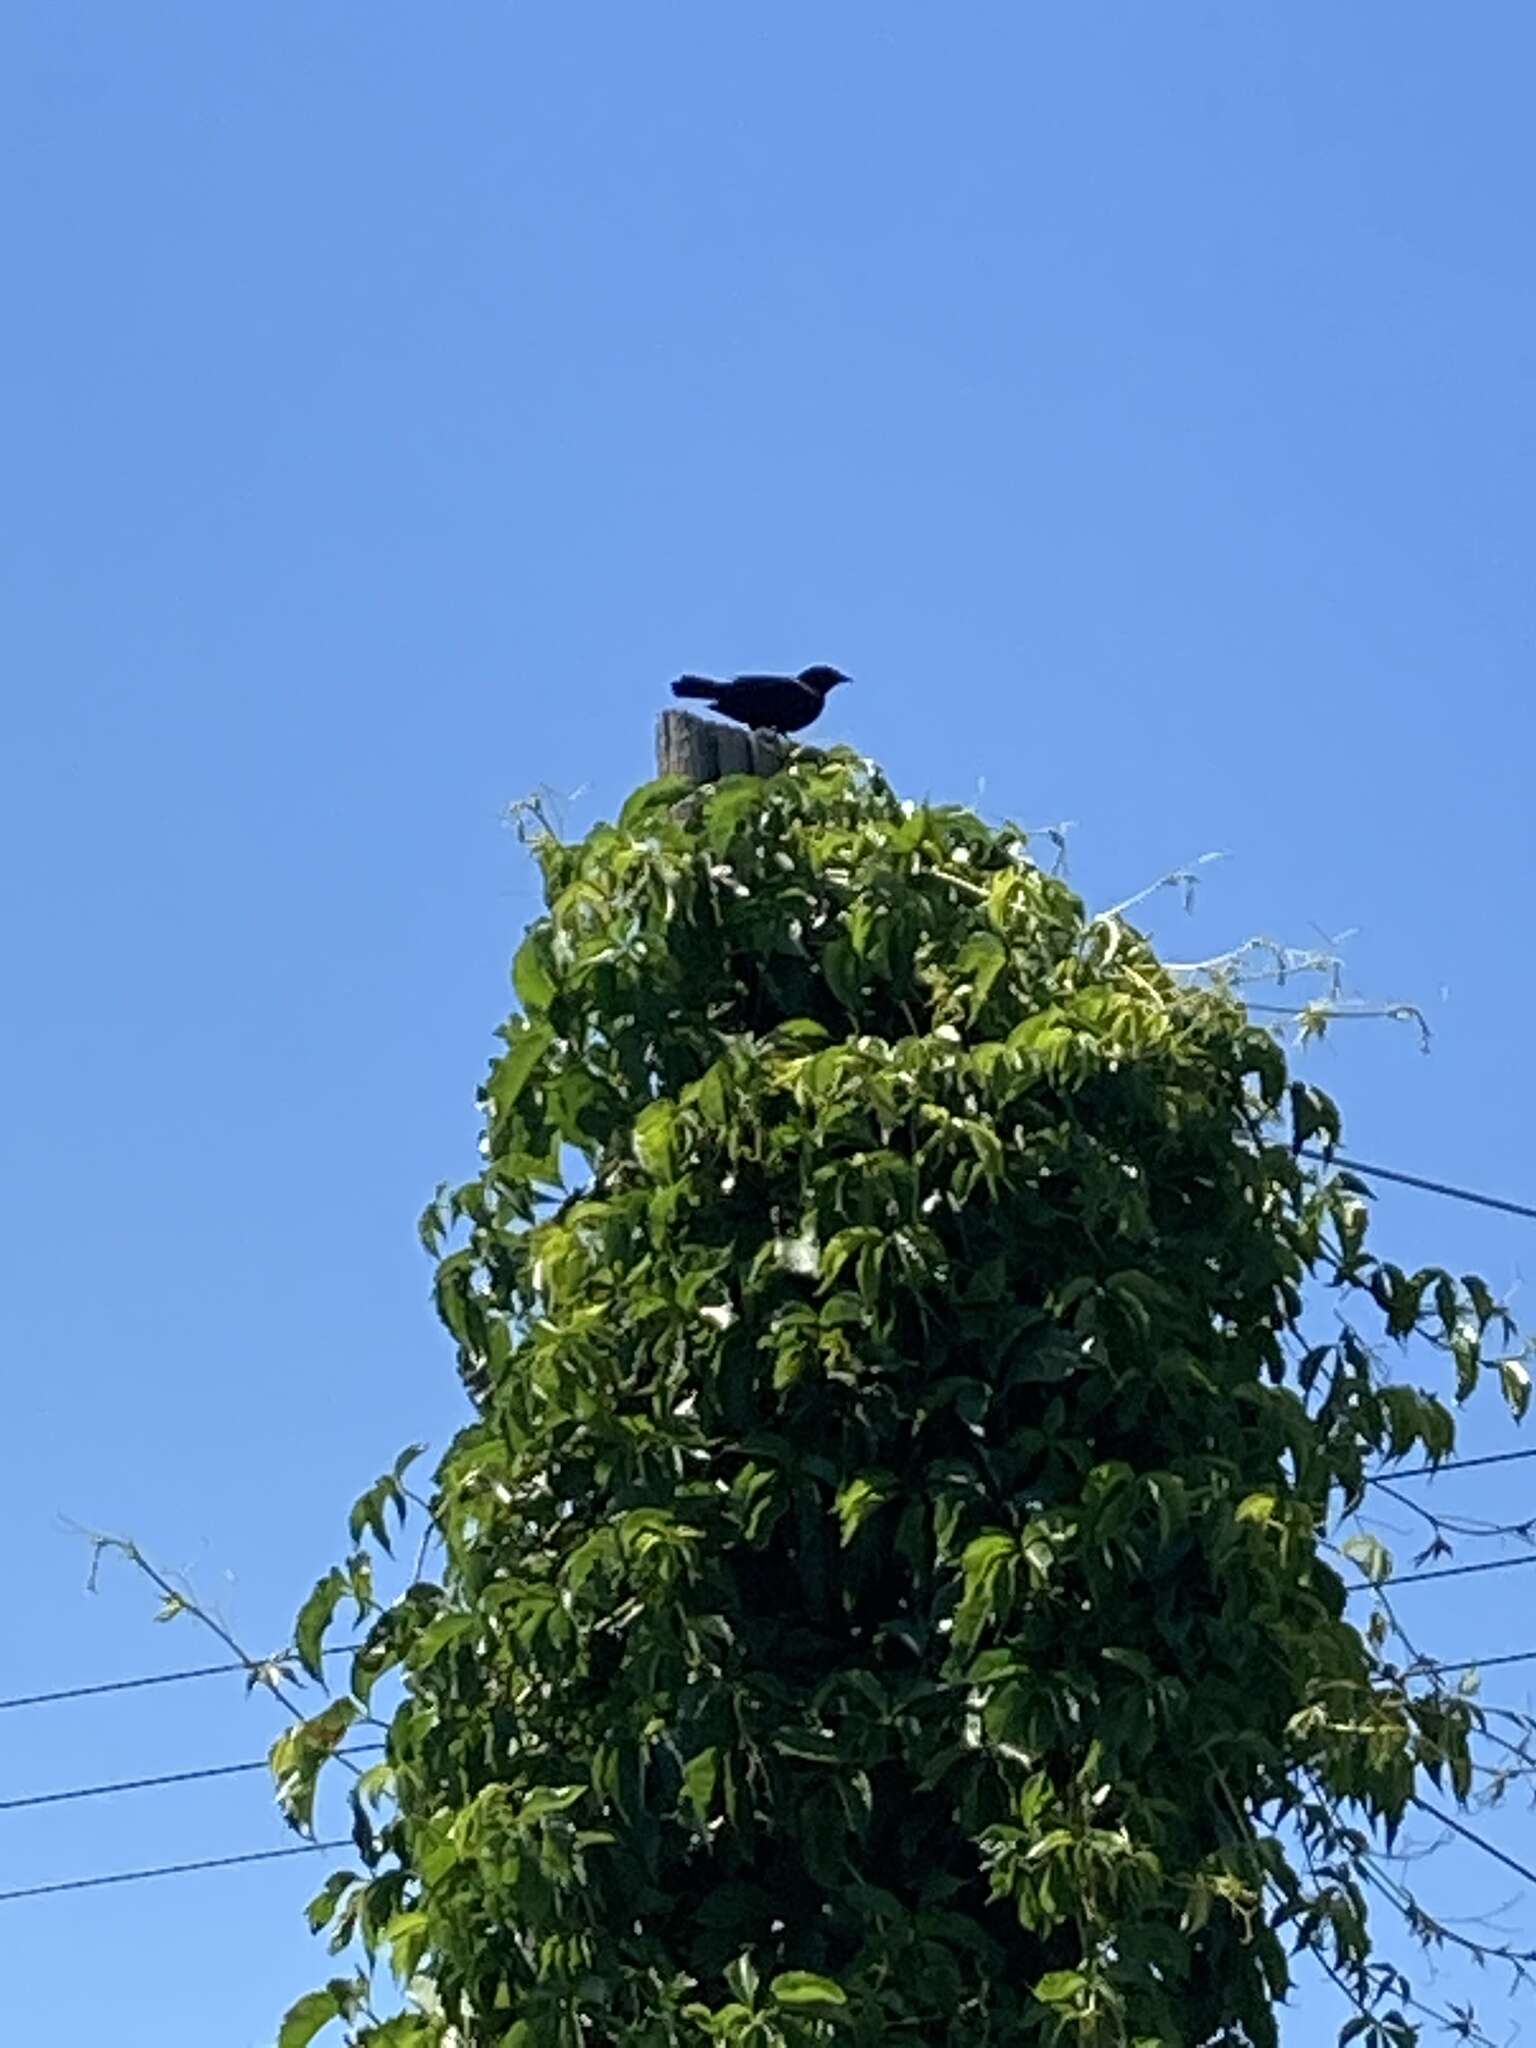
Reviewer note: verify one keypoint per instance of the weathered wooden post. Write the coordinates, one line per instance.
(702, 749)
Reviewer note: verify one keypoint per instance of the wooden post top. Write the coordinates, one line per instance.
(703, 750)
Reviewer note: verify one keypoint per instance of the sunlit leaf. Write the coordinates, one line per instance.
(315, 1618)
(804, 1987)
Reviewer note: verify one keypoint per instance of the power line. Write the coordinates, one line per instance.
(1429, 1470)
(86, 1692)
(1449, 1571)
(1471, 1835)
(1414, 1180)
(166, 1778)
(84, 1884)
(1439, 1670)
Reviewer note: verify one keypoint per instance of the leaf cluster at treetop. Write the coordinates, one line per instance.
(883, 1591)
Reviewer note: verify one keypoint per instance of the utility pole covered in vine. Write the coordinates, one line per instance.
(884, 1593)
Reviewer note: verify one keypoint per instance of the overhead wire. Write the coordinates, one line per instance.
(85, 1884)
(1441, 1670)
(85, 1692)
(163, 1778)
(1471, 1835)
(1448, 1571)
(1417, 1180)
(1430, 1469)
(115, 1877)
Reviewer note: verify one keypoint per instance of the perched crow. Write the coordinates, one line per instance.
(767, 703)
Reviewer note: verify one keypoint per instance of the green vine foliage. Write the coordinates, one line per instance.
(884, 1592)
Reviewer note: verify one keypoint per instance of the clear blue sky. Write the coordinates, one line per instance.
(1138, 400)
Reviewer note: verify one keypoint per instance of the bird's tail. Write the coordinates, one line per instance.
(695, 686)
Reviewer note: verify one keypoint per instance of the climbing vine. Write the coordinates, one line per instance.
(885, 1588)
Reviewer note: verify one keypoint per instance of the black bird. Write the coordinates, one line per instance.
(767, 703)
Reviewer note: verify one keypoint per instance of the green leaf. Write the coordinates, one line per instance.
(409, 2030)
(796, 1031)
(656, 1140)
(737, 801)
(323, 1905)
(1003, 894)
(652, 797)
(1059, 1987)
(546, 1800)
(742, 1979)
(841, 1247)
(315, 1618)
(407, 1935)
(804, 1987)
(299, 1754)
(1515, 1378)
(700, 1777)
(438, 1635)
(841, 967)
(859, 1499)
(867, 927)
(982, 959)
(531, 977)
(368, 1512)
(432, 1227)
(375, 1782)
(360, 1582)
(510, 1075)
(305, 2018)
